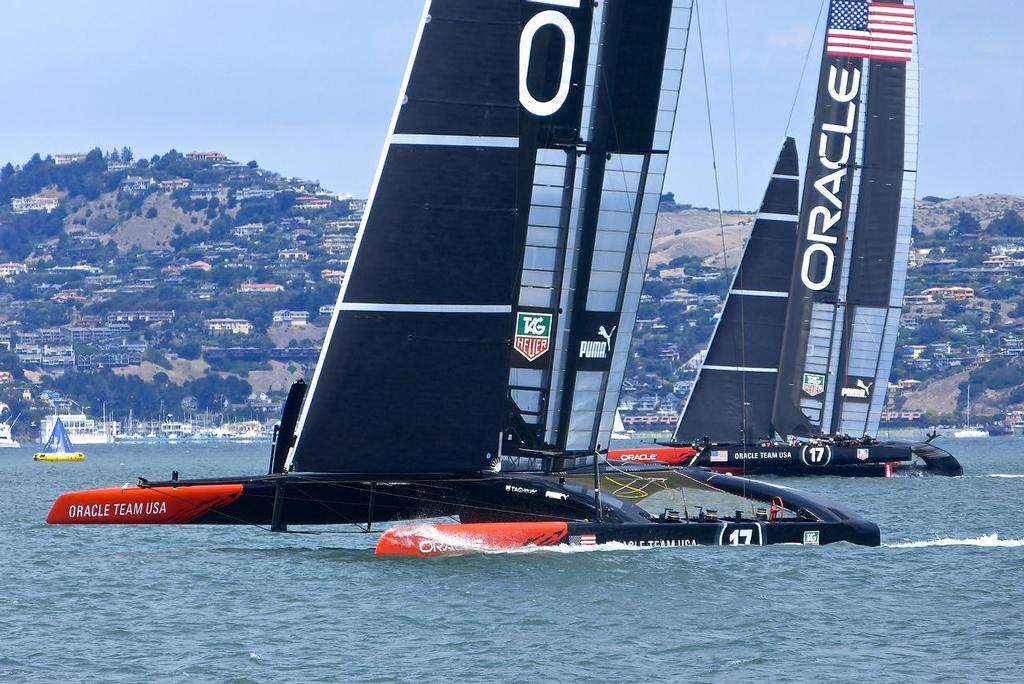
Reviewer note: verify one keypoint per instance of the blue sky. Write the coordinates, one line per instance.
(307, 87)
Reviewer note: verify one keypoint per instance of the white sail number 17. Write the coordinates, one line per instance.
(559, 21)
(741, 537)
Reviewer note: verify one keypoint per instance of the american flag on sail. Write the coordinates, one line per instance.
(876, 30)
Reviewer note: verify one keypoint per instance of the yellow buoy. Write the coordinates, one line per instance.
(76, 456)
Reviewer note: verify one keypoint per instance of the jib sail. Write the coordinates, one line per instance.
(854, 232)
(488, 249)
(732, 396)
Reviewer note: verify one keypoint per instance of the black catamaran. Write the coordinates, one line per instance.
(486, 315)
(801, 356)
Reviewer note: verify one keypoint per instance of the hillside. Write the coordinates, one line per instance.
(184, 282)
(194, 283)
(947, 339)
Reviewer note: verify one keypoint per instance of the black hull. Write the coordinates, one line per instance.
(486, 500)
(883, 459)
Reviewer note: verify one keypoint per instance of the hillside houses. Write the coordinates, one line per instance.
(136, 185)
(228, 326)
(22, 205)
(293, 319)
(206, 156)
(260, 288)
(72, 158)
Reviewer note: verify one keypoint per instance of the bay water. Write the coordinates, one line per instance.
(942, 599)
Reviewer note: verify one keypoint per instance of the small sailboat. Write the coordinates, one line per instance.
(58, 447)
(619, 430)
(968, 431)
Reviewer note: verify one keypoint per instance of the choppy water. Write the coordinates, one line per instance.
(942, 600)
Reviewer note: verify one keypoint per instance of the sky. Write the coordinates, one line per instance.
(307, 87)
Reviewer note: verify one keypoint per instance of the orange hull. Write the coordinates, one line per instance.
(457, 539)
(673, 456)
(133, 505)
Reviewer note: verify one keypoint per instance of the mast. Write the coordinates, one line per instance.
(854, 232)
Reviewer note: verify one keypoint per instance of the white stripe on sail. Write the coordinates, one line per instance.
(427, 308)
(760, 293)
(769, 216)
(453, 140)
(741, 369)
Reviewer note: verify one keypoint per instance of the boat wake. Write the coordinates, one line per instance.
(984, 540)
(1007, 475)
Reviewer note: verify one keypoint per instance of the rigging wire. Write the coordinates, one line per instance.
(718, 196)
(803, 69)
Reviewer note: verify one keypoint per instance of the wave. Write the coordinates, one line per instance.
(991, 540)
(1006, 475)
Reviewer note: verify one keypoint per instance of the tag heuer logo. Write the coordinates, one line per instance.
(533, 334)
(814, 384)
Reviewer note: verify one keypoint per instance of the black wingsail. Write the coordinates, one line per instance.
(732, 397)
(590, 232)
(491, 295)
(414, 371)
(855, 221)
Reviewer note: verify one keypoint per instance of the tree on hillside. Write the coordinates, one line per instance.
(965, 224)
(1010, 224)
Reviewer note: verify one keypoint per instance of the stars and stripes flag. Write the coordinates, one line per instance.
(876, 30)
(583, 539)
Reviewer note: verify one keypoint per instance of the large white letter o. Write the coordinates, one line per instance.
(526, 98)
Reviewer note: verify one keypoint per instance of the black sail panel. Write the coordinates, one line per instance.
(856, 214)
(732, 397)
(825, 209)
(632, 106)
(591, 224)
(413, 374)
(879, 250)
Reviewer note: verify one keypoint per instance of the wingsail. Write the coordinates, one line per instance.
(846, 293)
(491, 295)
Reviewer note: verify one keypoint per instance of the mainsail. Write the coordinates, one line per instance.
(846, 294)
(735, 388)
(492, 290)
